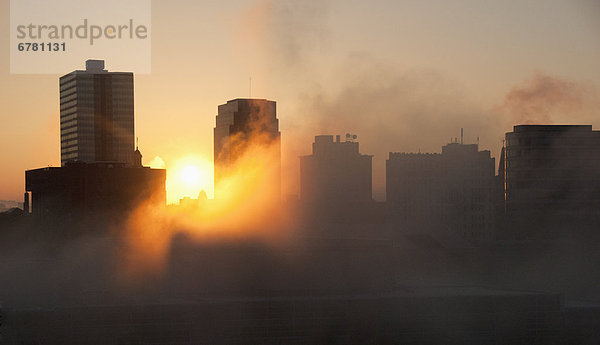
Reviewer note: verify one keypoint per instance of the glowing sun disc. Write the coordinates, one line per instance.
(190, 175)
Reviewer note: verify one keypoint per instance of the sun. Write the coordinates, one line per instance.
(187, 176)
(190, 175)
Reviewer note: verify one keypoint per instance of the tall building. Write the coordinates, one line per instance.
(447, 194)
(335, 171)
(101, 175)
(243, 125)
(96, 115)
(551, 181)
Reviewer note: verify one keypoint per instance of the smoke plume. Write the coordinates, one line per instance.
(546, 99)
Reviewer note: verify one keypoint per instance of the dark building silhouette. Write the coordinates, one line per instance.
(82, 191)
(96, 115)
(101, 173)
(552, 181)
(336, 171)
(449, 194)
(243, 125)
(499, 195)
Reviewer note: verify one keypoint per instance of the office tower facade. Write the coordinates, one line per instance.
(96, 115)
(551, 181)
(336, 171)
(450, 194)
(247, 127)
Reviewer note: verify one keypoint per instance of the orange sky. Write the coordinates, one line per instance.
(403, 76)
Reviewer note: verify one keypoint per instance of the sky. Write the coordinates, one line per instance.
(404, 76)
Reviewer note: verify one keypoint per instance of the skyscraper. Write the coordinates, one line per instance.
(552, 182)
(96, 115)
(243, 125)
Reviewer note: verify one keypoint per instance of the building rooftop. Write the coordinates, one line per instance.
(551, 128)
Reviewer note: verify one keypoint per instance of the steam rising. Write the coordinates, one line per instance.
(545, 99)
(287, 32)
(390, 108)
(247, 206)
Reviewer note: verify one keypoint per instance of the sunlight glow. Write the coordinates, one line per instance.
(247, 204)
(190, 175)
(187, 176)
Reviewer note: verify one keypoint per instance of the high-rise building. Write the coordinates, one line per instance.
(335, 171)
(96, 115)
(243, 125)
(101, 175)
(450, 194)
(551, 181)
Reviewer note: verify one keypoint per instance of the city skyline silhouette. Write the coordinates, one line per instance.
(300, 172)
(390, 90)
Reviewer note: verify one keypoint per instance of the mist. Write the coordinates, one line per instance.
(259, 242)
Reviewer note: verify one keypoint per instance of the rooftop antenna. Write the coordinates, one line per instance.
(461, 136)
(137, 143)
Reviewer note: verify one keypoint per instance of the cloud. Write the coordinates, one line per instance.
(157, 163)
